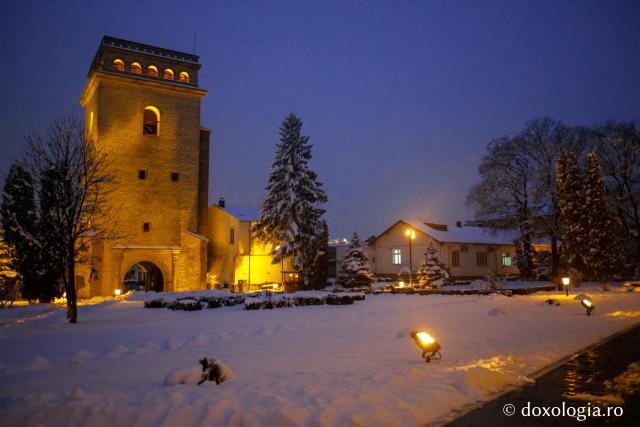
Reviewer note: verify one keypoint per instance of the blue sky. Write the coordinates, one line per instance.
(399, 98)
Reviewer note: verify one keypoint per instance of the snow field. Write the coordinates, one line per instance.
(300, 366)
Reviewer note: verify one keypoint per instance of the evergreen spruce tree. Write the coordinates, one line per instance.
(319, 270)
(21, 224)
(290, 215)
(572, 214)
(605, 255)
(355, 271)
(432, 272)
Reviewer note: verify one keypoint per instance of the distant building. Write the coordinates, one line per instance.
(236, 259)
(467, 251)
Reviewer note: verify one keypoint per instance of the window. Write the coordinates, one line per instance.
(455, 259)
(118, 64)
(506, 259)
(168, 74)
(146, 227)
(152, 71)
(90, 123)
(183, 77)
(175, 176)
(481, 259)
(136, 68)
(151, 119)
(397, 257)
(142, 174)
(232, 236)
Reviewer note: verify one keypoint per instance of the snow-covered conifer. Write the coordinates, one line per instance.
(355, 271)
(605, 255)
(432, 272)
(290, 215)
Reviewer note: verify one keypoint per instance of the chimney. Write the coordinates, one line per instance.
(221, 202)
(459, 224)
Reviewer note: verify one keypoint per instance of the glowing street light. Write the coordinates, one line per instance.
(118, 292)
(411, 234)
(428, 345)
(565, 282)
(588, 305)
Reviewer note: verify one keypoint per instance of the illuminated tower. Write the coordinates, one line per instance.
(142, 109)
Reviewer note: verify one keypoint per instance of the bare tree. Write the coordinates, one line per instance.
(505, 198)
(73, 184)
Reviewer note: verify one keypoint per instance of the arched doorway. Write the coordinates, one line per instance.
(144, 276)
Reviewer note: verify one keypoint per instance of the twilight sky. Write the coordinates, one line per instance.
(400, 98)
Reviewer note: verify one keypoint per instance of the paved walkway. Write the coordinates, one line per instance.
(584, 374)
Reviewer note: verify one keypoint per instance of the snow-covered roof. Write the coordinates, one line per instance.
(243, 214)
(464, 234)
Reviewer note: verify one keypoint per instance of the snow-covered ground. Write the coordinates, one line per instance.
(311, 366)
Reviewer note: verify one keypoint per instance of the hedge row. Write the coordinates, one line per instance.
(193, 304)
(269, 302)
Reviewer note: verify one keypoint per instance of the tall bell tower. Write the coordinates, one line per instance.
(142, 110)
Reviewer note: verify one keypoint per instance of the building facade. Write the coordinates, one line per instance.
(142, 110)
(468, 252)
(236, 260)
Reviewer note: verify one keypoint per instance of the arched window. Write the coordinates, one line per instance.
(151, 121)
(152, 71)
(168, 74)
(118, 64)
(136, 68)
(184, 77)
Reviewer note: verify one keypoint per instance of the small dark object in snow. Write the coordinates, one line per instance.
(552, 301)
(185, 305)
(212, 370)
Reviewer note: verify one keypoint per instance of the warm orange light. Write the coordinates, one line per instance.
(118, 64)
(152, 71)
(425, 338)
(168, 74)
(401, 284)
(183, 77)
(410, 233)
(587, 303)
(566, 281)
(118, 292)
(136, 68)
(276, 286)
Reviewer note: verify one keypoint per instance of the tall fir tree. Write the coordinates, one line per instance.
(572, 213)
(605, 255)
(21, 225)
(355, 271)
(432, 272)
(290, 215)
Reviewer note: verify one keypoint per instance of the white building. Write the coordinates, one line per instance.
(467, 251)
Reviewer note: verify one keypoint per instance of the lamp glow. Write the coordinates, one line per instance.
(118, 292)
(566, 281)
(429, 346)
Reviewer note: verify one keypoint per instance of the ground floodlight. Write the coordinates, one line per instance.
(429, 346)
(588, 305)
(118, 292)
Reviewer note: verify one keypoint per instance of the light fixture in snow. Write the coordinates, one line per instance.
(588, 305)
(429, 346)
(275, 286)
(118, 292)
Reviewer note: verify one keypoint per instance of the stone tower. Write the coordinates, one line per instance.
(142, 109)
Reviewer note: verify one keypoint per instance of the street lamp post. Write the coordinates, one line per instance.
(566, 281)
(411, 234)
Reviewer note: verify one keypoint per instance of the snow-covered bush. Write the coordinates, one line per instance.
(185, 305)
(155, 303)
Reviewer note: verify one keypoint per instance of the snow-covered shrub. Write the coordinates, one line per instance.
(155, 303)
(355, 271)
(333, 299)
(185, 305)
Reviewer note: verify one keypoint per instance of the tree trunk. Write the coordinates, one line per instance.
(72, 303)
(555, 257)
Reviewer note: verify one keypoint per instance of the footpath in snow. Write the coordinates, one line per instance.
(299, 366)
